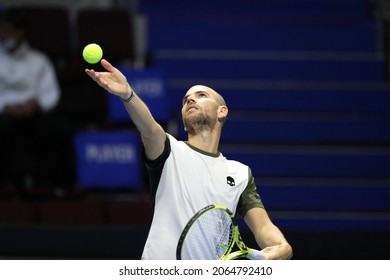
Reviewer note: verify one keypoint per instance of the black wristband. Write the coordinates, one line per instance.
(128, 99)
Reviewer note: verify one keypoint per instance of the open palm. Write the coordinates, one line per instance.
(113, 80)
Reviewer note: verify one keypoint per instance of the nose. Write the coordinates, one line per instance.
(189, 100)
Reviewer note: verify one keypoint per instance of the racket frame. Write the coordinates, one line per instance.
(235, 240)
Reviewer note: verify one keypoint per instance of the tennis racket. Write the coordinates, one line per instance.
(213, 234)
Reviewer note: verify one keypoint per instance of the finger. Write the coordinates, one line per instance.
(90, 72)
(94, 75)
(107, 65)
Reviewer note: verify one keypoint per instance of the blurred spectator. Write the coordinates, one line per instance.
(31, 130)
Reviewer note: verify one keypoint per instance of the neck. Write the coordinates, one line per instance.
(206, 141)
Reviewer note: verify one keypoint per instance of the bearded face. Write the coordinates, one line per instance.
(198, 122)
(200, 110)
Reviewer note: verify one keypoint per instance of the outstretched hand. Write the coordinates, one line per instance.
(113, 80)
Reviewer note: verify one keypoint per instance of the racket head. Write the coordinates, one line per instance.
(208, 235)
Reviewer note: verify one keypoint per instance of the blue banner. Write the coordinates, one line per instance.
(150, 86)
(108, 160)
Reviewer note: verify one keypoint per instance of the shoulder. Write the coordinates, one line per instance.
(176, 144)
(237, 165)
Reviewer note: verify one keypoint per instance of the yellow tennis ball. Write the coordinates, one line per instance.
(92, 53)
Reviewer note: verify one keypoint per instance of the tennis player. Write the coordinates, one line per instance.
(186, 176)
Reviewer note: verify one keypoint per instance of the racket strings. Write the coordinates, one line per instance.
(209, 237)
(223, 235)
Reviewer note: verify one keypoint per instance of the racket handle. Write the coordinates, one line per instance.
(255, 255)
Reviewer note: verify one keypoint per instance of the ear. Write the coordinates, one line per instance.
(222, 112)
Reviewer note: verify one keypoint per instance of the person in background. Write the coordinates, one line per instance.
(29, 124)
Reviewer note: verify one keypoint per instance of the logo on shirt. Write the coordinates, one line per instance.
(230, 181)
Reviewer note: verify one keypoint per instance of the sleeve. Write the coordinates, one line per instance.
(154, 167)
(249, 198)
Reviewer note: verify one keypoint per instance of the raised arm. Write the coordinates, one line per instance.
(152, 134)
(267, 235)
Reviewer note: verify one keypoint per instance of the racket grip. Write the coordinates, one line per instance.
(255, 255)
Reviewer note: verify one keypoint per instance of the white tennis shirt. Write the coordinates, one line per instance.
(184, 180)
